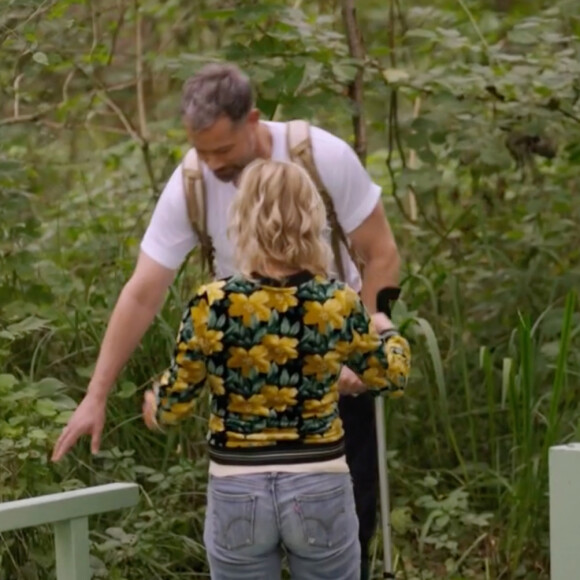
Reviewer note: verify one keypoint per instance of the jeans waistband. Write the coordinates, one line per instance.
(278, 454)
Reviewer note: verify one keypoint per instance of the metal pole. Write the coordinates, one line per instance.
(384, 299)
(384, 487)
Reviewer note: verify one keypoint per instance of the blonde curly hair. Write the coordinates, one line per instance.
(278, 219)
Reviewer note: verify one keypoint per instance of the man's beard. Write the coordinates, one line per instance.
(232, 173)
(229, 174)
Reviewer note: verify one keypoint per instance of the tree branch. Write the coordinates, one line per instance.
(411, 200)
(30, 118)
(139, 72)
(115, 37)
(39, 11)
(17, 94)
(141, 110)
(37, 116)
(356, 88)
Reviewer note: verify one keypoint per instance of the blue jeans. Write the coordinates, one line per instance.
(252, 520)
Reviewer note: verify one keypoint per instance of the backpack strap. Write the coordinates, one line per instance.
(196, 198)
(300, 151)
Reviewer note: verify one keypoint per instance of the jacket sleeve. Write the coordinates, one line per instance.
(382, 361)
(184, 379)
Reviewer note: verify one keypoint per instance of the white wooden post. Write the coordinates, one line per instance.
(565, 512)
(71, 543)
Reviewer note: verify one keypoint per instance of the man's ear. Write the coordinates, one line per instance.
(253, 116)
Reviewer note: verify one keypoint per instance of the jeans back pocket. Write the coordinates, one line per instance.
(233, 519)
(323, 517)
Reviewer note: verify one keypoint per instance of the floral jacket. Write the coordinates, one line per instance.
(270, 355)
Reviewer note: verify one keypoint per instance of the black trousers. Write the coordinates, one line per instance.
(358, 417)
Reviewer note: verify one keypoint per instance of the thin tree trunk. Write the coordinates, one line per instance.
(356, 88)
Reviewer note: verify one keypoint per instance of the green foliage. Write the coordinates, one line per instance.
(488, 101)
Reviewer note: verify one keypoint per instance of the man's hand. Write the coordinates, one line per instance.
(88, 419)
(381, 322)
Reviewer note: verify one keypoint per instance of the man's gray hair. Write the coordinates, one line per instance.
(217, 90)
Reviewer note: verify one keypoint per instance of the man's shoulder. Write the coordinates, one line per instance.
(330, 152)
(322, 139)
(327, 138)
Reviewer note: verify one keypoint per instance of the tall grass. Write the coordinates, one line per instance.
(513, 404)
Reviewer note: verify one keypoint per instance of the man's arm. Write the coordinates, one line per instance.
(375, 243)
(138, 303)
(357, 201)
(167, 241)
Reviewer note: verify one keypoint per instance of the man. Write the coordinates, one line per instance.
(225, 129)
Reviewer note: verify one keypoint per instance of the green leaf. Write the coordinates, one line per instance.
(38, 434)
(64, 403)
(285, 326)
(126, 390)
(46, 408)
(522, 37)
(63, 418)
(48, 387)
(401, 520)
(7, 381)
(421, 33)
(40, 58)
(30, 324)
(394, 75)
(426, 155)
(423, 179)
(295, 329)
(344, 73)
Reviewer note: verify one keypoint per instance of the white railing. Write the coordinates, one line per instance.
(69, 513)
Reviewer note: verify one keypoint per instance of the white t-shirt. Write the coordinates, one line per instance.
(170, 237)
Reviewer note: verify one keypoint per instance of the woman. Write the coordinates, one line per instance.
(269, 344)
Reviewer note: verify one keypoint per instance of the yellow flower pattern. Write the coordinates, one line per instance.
(200, 313)
(347, 298)
(281, 299)
(214, 291)
(192, 371)
(208, 341)
(248, 306)
(246, 360)
(280, 348)
(216, 385)
(279, 398)
(270, 358)
(216, 424)
(332, 434)
(321, 366)
(324, 314)
(255, 405)
(320, 408)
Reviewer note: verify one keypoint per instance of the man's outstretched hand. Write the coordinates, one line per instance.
(88, 419)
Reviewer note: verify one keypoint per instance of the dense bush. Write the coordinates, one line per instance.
(472, 112)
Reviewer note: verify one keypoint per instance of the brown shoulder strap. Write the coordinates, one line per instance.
(300, 151)
(195, 197)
